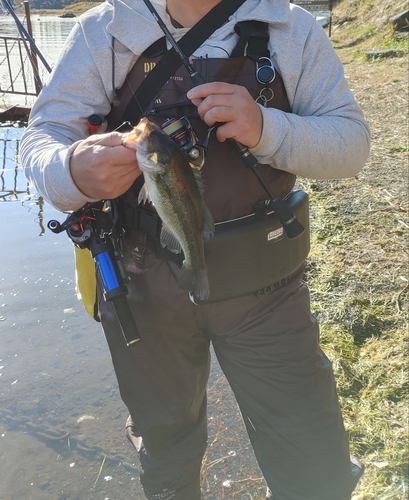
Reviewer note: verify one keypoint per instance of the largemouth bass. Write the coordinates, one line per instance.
(175, 189)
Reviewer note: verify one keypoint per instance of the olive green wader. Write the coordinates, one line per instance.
(267, 346)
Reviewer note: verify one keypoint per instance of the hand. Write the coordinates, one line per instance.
(102, 168)
(231, 105)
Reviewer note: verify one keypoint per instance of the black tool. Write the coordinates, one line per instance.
(91, 227)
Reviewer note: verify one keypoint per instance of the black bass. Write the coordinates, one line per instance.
(175, 189)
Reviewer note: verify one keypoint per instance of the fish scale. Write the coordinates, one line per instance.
(175, 190)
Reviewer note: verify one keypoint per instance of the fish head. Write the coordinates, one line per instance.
(153, 147)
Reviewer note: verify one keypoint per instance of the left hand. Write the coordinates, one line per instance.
(231, 105)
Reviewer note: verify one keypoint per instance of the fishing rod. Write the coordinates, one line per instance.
(291, 225)
(196, 77)
(26, 34)
(37, 78)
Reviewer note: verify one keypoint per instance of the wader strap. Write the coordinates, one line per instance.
(141, 220)
(171, 61)
(255, 35)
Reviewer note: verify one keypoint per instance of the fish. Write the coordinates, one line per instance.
(176, 191)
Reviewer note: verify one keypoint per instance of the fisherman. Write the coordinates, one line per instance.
(267, 344)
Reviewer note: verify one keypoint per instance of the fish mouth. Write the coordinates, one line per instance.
(141, 129)
(138, 133)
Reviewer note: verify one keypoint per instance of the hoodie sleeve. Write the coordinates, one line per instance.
(59, 119)
(326, 135)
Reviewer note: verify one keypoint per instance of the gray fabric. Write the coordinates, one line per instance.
(311, 141)
(183, 473)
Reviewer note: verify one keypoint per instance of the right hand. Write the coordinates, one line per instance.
(102, 168)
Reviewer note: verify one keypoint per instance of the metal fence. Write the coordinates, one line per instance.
(16, 72)
(319, 9)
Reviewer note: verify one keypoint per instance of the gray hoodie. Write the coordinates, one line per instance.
(324, 137)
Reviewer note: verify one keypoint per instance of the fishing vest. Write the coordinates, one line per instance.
(231, 189)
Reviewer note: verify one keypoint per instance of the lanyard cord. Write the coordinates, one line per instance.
(115, 101)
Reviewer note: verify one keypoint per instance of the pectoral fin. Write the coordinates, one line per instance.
(144, 194)
(168, 240)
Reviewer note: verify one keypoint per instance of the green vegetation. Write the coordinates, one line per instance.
(357, 274)
(361, 25)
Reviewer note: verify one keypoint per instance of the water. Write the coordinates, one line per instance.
(56, 376)
(49, 34)
(58, 392)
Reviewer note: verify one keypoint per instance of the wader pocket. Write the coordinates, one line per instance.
(253, 253)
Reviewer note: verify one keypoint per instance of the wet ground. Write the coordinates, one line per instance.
(61, 417)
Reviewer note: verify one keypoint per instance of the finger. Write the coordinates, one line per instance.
(206, 89)
(196, 102)
(113, 155)
(112, 139)
(241, 104)
(217, 103)
(224, 132)
(220, 114)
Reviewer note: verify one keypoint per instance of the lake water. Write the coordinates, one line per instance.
(49, 34)
(61, 417)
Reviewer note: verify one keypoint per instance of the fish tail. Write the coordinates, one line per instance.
(194, 281)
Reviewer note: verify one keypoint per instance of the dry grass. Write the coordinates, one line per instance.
(358, 277)
(358, 267)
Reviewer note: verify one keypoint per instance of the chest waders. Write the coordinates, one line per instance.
(266, 343)
(250, 252)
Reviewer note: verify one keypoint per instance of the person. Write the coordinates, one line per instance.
(266, 344)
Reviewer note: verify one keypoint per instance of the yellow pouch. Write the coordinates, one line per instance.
(86, 281)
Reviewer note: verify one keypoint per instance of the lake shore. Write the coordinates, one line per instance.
(77, 9)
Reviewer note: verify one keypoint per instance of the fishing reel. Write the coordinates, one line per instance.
(92, 227)
(180, 130)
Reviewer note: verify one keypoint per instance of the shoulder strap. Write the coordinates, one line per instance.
(171, 61)
(254, 35)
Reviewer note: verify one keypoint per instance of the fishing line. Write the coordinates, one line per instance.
(95, 143)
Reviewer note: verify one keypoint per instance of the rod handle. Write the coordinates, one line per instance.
(125, 318)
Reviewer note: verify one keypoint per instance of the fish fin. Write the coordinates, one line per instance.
(209, 228)
(144, 194)
(168, 240)
(197, 174)
(194, 281)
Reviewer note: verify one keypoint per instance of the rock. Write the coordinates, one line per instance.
(381, 54)
(400, 21)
